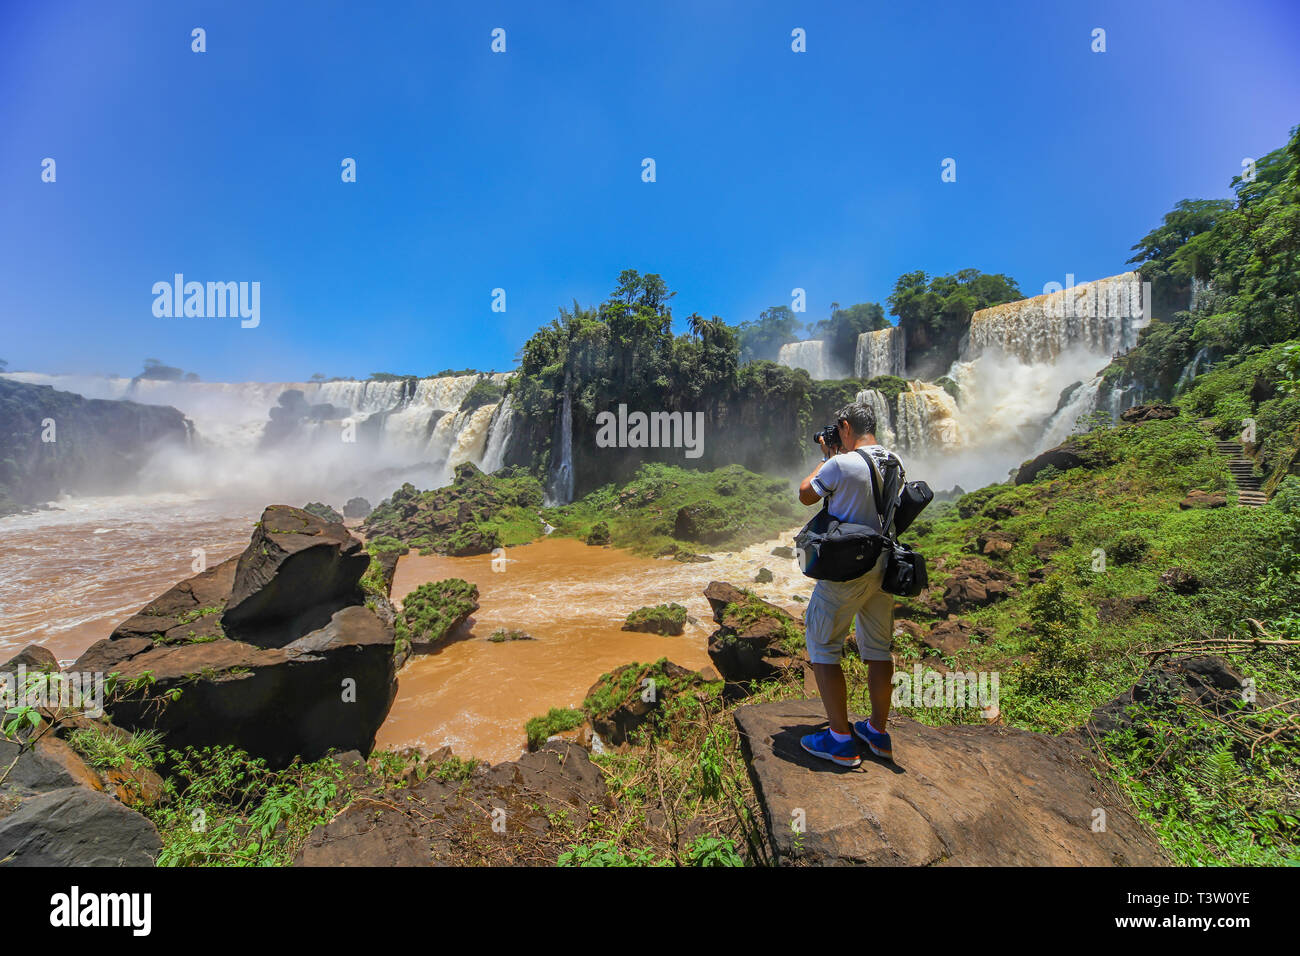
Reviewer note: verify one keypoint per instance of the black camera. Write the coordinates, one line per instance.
(830, 434)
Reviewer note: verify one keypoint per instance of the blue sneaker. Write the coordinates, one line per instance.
(879, 743)
(828, 748)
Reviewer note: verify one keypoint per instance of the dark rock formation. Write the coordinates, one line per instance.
(1203, 499)
(34, 657)
(1121, 608)
(616, 721)
(1148, 413)
(295, 572)
(975, 583)
(956, 796)
(1047, 546)
(1208, 682)
(58, 810)
(99, 446)
(357, 508)
(272, 651)
(1180, 581)
(76, 826)
(690, 557)
(995, 543)
(1063, 457)
(749, 642)
(950, 636)
(323, 511)
(666, 619)
(434, 822)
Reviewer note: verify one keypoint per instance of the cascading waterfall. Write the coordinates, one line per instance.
(1081, 403)
(1101, 317)
(500, 430)
(880, 353)
(1201, 288)
(884, 417)
(1191, 370)
(470, 435)
(1015, 363)
(927, 418)
(560, 487)
(809, 356)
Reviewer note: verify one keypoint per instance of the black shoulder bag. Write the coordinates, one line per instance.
(905, 574)
(829, 549)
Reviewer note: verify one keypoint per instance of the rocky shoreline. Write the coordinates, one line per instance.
(281, 654)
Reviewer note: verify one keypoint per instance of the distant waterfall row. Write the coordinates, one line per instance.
(401, 424)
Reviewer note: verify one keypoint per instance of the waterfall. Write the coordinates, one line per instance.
(500, 430)
(356, 436)
(884, 418)
(1191, 370)
(809, 356)
(469, 433)
(1201, 288)
(1122, 398)
(560, 490)
(1102, 317)
(1081, 403)
(927, 418)
(880, 353)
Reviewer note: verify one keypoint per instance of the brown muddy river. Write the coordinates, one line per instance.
(68, 577)
(475, 696)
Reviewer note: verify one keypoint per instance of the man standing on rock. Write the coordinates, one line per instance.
(845, 476)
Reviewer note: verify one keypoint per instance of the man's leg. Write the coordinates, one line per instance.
(880, 685)
(826, 624)
(875, 636)
(835, 695)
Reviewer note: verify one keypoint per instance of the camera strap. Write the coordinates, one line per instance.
(885, 517)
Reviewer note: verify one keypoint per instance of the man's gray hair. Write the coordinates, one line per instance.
(859, 416)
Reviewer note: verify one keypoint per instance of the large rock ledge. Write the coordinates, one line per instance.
(958, 796)
(273, 651)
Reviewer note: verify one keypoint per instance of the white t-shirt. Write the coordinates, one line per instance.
(847, 479)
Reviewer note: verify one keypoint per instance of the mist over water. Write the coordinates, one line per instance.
(403, 431)
(1007, 413)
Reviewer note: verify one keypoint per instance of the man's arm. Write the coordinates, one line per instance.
(808, 495)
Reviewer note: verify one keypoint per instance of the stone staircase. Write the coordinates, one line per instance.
(1249, 494)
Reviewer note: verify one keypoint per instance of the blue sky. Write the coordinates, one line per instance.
(522, 170)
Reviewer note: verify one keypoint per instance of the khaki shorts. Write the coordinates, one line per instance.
(836, 604)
